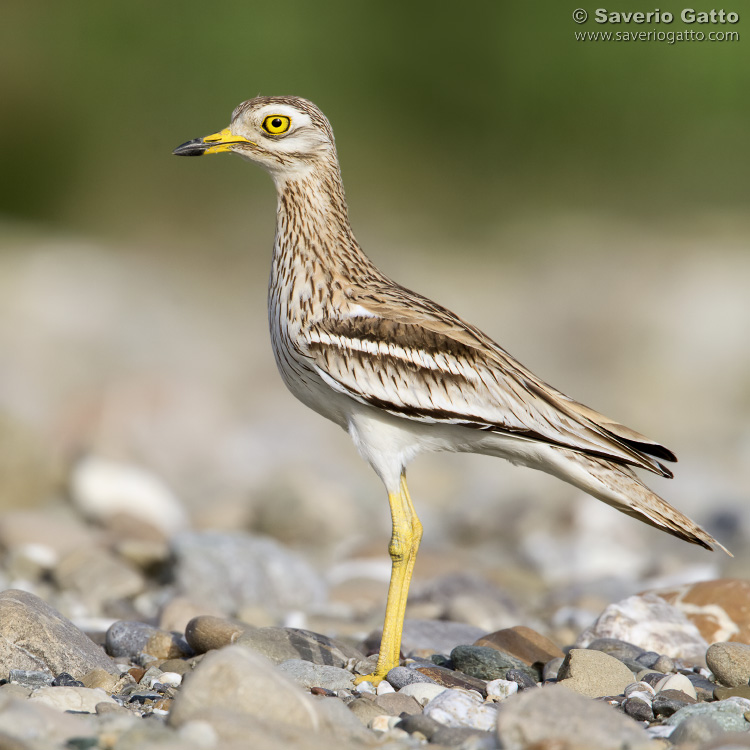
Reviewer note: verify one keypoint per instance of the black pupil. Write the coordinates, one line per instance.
(276, 122)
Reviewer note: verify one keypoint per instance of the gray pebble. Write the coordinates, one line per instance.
(457, 736)
(551, 668)
(639, 709)
(30, 677)
(695, 729)
(704, 689)
(488, 663)
(664, 664)
(617, 648)
(728, 714)
(399, 677)
(668, 702)
(522, 679)
(66, 680)
(419, 723)
(647, 659)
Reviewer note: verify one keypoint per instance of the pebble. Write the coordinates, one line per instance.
(237, 679)
(180, 666)
(79, 699)
(594, 673)
(704, 689)
(522, 679)
(170, 679)
(205, 633)
(647, 659)
(384, 687)
(425, 725)
(456, 708)
(720, 609)
(34, 636)
(365, 708)
(676, 682)
(523, 643)
(639, 687)
(499, 690)
(695, 730)
(557, 717)
(453, 679)
(13, 690)
(638, 708)
(282, 644)
(651, 623)
(129, 639)
(730, 663)
(721, 693)
(231, 571)
(399, 677)
(397, 704)
(552, 668)
(102, 489)
(488, 663)
(310, 675)
(30, 678)
(66, 680)
(729, 714)
(463, 737)
(667, 702)
(422, 692)
(32, 725)
(98, 577)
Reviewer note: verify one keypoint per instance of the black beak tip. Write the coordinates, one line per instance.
(196, 147)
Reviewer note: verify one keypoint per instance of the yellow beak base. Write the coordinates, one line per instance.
(210, 144)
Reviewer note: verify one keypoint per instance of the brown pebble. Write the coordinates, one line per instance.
(523, 643)
(452, 679)
(205, 633)
(164, 704)
(322, 691)
(136, 673)
(721, 693)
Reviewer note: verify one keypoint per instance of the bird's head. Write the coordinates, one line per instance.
(288, 136)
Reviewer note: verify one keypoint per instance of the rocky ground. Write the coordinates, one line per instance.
(126, 628)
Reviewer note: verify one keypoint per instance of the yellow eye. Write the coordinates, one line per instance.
(276, 124)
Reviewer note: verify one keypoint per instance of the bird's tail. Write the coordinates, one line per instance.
(619, 487)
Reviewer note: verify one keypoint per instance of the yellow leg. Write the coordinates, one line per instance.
(407, 533)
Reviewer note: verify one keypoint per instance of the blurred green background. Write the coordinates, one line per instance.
(470, 115)
(583, 202)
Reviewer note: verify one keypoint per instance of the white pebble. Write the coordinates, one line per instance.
(638, 687)
(170, 678)
(384, 687)
(676, 682)
(384, 722)
(498, 690)
(366, 687)
(422, 692)
(101, 488)
(643, 695)
(457, 708)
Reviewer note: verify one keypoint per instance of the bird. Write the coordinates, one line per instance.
(402, 374)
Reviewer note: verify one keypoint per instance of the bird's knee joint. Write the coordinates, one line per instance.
(399, 547)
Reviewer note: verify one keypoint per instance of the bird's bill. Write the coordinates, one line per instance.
(210, 144)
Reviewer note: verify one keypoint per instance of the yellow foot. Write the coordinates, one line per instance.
(374, 678)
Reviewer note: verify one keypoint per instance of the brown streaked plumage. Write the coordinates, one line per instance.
(402, 374)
